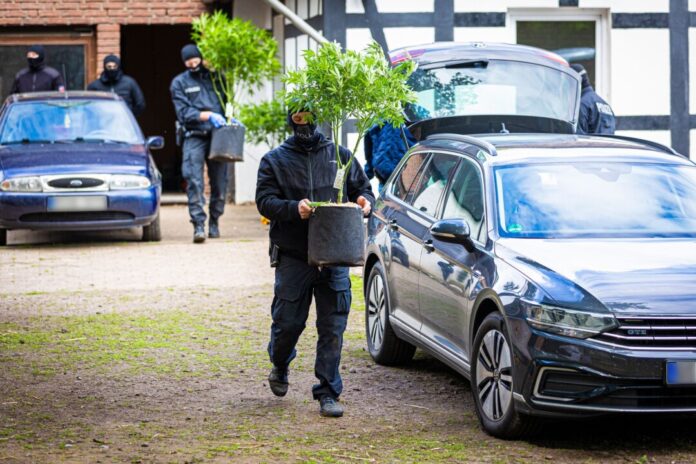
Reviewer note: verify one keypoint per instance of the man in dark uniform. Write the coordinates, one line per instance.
(301, 170)
(596, 116)
(37, 77)
(198, 111)
(113, 80)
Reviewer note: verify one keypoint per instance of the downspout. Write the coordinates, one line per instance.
(300, 23)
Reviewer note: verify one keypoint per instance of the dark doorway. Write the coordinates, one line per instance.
(151, 55)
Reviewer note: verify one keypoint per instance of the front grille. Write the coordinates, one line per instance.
(654, 333)
(75, 183)
(77, 216)
(582, 388)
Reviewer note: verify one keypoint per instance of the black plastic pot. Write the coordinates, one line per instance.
(336, 236)
(227, 144)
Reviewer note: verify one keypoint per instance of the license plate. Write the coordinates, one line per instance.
(77, 203)
(681, 372)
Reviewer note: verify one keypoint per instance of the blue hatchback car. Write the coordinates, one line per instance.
(76, 161)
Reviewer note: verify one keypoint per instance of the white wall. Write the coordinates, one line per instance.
(245, 172)
(640, 72)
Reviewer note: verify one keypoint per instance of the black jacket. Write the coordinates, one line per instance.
(191, 94)
(125, 87)
(43, 79)
(289, 174)
(596, 116)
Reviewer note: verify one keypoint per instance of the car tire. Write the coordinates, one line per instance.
(492, 382)
(3, 237)
(153, 232)
(382, 343)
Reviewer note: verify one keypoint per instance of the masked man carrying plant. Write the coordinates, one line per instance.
(303, 170)
(198, 111)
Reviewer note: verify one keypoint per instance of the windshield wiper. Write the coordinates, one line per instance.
(91, 140)
(27, 142)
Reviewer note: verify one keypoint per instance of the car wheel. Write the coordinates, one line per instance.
(382, 343)
(3, 237)
(153, 232)
(492, 382)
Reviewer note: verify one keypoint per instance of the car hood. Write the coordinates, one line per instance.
(628, 276)
(49, 159)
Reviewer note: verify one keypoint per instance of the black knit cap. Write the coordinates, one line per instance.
(39, 50)
(190, 51)
(580, 69)
(112, 59)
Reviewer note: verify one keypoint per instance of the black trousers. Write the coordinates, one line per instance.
(295, 284)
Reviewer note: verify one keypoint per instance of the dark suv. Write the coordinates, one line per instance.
(557, 272)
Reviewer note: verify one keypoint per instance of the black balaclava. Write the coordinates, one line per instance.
(580, 69)
(191, 51)
(112, 74)
(36, 63)
(306, 135)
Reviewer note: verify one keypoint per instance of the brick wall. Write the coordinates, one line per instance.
(105, 15)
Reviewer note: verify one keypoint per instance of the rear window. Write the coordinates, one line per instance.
(492, 87)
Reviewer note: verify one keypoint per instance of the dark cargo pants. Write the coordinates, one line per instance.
(195, 156)
(295, 283)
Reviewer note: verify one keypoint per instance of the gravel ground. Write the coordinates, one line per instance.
(113, 350)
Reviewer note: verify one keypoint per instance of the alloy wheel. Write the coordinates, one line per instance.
(494, 375)
(376, 312)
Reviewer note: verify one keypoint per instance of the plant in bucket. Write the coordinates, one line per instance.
(334, 86)
(242, 57)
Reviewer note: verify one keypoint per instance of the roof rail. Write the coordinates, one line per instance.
(647, 143)
(482, 144)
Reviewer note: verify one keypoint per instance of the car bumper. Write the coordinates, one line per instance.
(125, 209)
(558, 375)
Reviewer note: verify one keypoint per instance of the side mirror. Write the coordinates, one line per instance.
(155, 143)
(453, 231)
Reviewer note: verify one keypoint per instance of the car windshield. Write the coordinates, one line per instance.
(492, 87)
(69, 121)
(596, 199)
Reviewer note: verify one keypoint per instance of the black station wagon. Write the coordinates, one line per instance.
(555, 271)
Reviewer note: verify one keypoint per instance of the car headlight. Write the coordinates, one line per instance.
(568, 322)
(126, 182)
(21, 184)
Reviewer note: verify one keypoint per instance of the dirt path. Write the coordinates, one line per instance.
(130, 352)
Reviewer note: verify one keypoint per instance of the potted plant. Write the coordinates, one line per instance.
(242, 57)
(334, 86)
(265, 122)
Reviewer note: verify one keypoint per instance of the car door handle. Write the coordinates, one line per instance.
(428, 245)
(393, 225)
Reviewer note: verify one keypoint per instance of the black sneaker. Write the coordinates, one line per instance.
(330, 407)
(198, 233)
(278, 381)
(213, 230)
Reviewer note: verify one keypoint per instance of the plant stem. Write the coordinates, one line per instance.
(337, 128)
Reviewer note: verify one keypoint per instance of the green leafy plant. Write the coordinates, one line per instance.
(265, 122)
(242, 55)
(336, 85)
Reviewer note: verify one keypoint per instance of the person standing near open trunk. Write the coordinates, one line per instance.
(290, 177)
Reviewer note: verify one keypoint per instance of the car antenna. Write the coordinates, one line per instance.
(65, 81)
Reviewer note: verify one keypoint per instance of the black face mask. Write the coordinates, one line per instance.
(306, 135)
(195, 70)
(111, 74)
(35, 63)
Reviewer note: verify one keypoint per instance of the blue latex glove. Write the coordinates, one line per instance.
(217, 120)
(237, 122)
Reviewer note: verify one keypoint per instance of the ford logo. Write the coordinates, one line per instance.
(76, 183)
